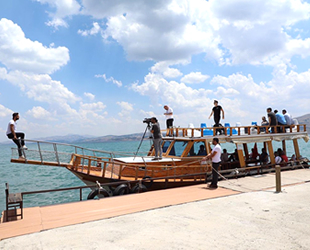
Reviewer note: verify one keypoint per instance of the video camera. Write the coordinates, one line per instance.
(147, 120)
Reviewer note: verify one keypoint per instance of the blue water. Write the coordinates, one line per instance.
(22, 177)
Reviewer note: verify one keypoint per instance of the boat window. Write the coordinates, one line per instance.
(178, 148)
(198, 148)
(166, 146)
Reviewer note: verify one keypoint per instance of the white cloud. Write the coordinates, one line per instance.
(4, 112)
(126, 108)
(194, 77)
(231, 32)
(253, 31)
(64, 9)
(164, 69)
(111, 79)
(40, 113)
(93, 31)
(90, 96)
(20, 53)
(40, 87)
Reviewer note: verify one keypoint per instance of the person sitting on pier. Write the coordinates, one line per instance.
(263, 157)
(281, 121)
(264, 123)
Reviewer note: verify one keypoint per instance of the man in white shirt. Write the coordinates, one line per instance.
(288, 117)
(215, 155)
(12, 134)
(169, 117)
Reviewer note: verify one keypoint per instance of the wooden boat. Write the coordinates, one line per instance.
(180, 165)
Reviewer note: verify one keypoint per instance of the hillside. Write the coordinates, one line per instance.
(304, 119)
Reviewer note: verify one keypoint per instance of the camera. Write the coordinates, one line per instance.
(147, 120)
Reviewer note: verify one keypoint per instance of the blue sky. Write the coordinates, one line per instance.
(98, 67)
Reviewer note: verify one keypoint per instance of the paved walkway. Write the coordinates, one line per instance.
(218, 219)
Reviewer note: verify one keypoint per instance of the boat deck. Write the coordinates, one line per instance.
(37, 219)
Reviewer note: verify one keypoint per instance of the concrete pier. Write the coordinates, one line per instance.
(244, 213)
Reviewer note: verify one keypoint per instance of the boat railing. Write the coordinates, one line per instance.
(109, 168)
(59, 154)
(234, 130)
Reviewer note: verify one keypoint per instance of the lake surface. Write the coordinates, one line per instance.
(24, 177)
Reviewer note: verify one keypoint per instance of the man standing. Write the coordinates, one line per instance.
(157, 139)
(169, 117)
(12, 134)
(272, 119)
(217, 113)
(215, 155)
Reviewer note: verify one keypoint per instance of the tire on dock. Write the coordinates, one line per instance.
(139, 188)
(98, 193)
(121, 190)
(147, 183)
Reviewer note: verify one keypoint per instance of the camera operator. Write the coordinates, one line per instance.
(157, 139)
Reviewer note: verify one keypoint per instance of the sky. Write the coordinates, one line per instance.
(99, 67)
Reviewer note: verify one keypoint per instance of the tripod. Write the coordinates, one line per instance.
(147, 127)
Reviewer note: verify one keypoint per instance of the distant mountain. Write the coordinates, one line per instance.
(88, 138)
(110, 138)
(65, 138)
(304, 119)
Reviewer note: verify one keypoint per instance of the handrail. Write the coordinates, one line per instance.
(215, 130)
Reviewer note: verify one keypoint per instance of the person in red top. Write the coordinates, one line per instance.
(283, 156)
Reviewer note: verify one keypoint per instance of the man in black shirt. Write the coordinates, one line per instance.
(157, 139)
(272, 119)
(217, 113)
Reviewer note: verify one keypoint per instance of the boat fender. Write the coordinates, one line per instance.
(98, 191)
(121, 190)
(147, 183)
(139, 188)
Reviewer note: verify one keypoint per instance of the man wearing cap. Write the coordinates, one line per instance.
(215, 155)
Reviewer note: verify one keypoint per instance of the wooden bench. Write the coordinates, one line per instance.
(13, 201)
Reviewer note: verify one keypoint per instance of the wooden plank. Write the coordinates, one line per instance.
(296, 148)
(271, 153)
(241, 157)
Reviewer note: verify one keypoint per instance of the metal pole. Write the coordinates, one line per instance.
(278, 179)
(40, 152)
(56, 153)
(141, 141)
